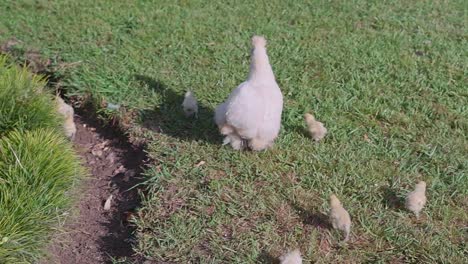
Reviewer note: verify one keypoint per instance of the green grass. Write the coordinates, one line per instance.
(392, 71)
(37, 171)
(24, 105)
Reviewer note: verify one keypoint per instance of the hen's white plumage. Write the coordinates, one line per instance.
(252, 113)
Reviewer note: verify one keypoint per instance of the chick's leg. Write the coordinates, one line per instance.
(236, 141)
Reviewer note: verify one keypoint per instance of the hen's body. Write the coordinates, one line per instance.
(252, 113)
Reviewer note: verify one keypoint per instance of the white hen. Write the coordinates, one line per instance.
(252, 113)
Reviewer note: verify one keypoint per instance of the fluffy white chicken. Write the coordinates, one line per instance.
(293, 257)
(190, 104)
(252, 113)
(67, 112)
(339, 217)
(416, 200)
(316, 129)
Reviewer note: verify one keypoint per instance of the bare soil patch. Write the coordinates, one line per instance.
(93, 234)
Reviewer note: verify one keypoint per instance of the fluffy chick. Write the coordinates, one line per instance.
(339, 217)
(190, 104)
(252, 113)
(68, 113)
(416, 199)
(293, 257)
(232, 137)
(316, 129)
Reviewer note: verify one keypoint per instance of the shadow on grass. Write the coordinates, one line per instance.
(169, 117)
(391, 199)
(313, 218)
(267, 258)
(301, 130)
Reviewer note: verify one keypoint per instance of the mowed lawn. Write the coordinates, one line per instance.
(388, 79)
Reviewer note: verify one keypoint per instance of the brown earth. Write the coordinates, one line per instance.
(93, 234)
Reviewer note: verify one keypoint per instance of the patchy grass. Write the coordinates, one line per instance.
(387, 78)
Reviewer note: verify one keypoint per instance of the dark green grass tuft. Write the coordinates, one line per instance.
(24, 105)
(37, 170)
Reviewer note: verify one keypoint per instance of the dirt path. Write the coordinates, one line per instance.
(95, 235)
(92, 234)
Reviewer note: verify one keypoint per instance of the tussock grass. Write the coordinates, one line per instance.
(38, 167)
(24, 105)
(37, 170)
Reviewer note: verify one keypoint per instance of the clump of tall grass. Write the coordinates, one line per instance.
(38, 167)
(24, 104)
(37, 170)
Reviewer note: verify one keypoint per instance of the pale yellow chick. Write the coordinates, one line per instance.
(339, 217)
(293, 257)
(416, 199)
(67, 112)
(316, 129)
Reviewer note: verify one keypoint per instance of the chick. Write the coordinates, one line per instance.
(416, 199)
(252, 112)
(236, 142)
(67, 112)
(190, 104)
(339, 217)
(293, 257)
(70, 128)
(316, 129)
